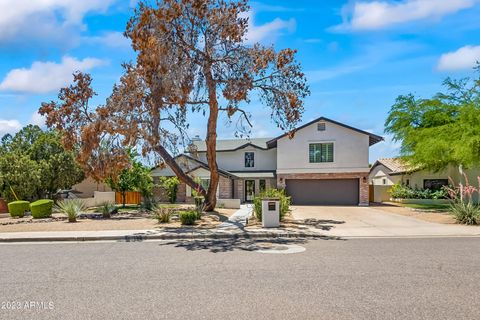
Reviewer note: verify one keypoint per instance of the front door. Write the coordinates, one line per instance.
(249, 190)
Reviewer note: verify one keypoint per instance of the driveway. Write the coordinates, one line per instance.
(374, 222)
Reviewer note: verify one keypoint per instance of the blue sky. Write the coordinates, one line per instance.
(358, 55)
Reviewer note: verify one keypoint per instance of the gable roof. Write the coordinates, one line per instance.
(234, 144)
(199, 164)
(373, 138)
(395, 165)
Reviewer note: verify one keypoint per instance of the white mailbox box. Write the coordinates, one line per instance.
(270, 212)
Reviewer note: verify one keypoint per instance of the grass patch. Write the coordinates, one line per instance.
(127, 208)
(436, 207)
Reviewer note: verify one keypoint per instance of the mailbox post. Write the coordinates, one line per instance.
(270, 212)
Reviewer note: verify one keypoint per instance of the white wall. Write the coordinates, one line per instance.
(235, 160)
(350, 150)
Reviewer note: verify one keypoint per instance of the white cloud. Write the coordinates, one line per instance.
(37, 119)
(385, 149)
(43, 77)
(380, 14)
(112, 39)
(45, 18)
(9, 126)
(464, 58)
(269, 30)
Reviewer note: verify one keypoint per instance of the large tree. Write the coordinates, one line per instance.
(439, 131)
(191, 57)
(136, 177)
(34, 164)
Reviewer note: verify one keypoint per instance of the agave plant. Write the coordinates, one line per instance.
(107, 208)
(71, 208)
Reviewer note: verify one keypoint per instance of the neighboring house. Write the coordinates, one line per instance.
(389, 171)
(325, 163)
(87, 188)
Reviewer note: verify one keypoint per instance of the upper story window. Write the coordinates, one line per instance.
(320, 152)
(321, 126)
(249, 159)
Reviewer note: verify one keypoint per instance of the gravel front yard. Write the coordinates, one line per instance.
(121, 221)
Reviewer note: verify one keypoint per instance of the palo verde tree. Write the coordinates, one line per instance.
(439, 131)
(191, 57)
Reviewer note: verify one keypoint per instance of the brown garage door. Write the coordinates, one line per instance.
(323, 192)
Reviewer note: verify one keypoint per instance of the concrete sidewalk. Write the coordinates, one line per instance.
(238, 220)
(141, 235)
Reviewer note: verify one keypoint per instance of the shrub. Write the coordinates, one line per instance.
(188, 217)
(107, 208)
(399, 191)
(466, 212)
(171, 186)
(71, 208)
(199, 206)
(163, 214)
(18, 208)
(272, 193)
(41, 208)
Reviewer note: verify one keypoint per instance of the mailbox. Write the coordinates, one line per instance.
(270, 213)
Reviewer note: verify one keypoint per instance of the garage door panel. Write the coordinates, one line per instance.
(323, 192)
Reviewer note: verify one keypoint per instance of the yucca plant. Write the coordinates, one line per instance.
(71, 208)
(107, 208)
(466, 212)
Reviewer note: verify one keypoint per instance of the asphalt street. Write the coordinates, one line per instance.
(434, 278)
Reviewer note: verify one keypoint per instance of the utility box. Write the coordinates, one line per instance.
(270, 212)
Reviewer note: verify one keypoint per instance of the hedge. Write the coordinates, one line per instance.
(18, 208)
(41, 208)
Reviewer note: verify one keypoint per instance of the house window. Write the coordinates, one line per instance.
(262, 185)
(249, 159)
(321, 126)
(434, 184)
(320, 152)
(408, 183)
(205, 183)
(384, 181)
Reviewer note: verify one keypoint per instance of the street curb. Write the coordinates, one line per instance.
(141, 237)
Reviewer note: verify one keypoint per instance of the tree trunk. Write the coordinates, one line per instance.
(211, 140)
(182, 176)
(124, 198)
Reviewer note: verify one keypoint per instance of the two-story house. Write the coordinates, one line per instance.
(325, 163)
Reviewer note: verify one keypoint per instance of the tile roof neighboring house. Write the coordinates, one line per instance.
(396, 165)
(233, 144)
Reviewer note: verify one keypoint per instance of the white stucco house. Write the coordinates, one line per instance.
(325, 163)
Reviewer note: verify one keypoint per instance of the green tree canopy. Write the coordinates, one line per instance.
(34, 164)
(442, 130)
(136, 177)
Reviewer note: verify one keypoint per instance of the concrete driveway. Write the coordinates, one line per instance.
(373, 222)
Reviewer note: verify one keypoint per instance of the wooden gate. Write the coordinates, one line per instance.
(371, 193)
(131, 197)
